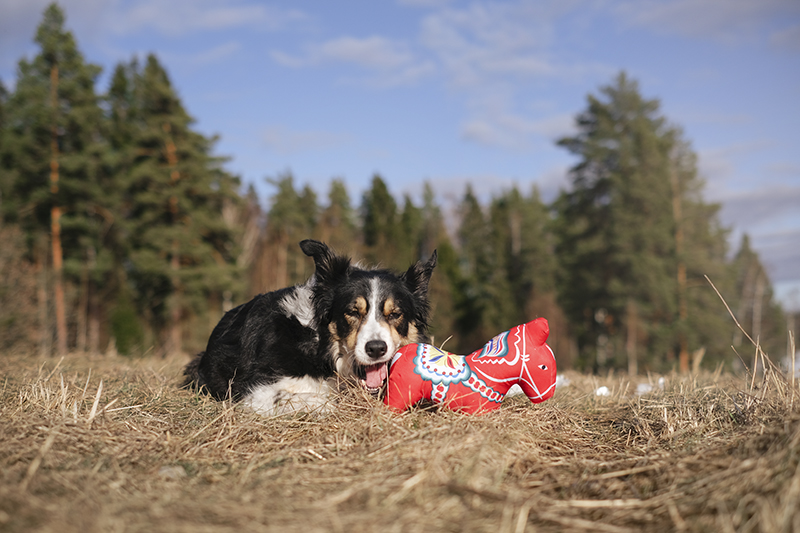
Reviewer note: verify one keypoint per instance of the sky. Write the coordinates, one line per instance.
(476, 92)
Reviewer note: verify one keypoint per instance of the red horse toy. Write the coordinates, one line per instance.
(478, 382)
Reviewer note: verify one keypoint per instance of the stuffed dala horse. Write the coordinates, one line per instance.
(478, 382)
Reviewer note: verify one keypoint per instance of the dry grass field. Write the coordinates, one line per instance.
(110, 444)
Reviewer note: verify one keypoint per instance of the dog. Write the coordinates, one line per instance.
(288, 350)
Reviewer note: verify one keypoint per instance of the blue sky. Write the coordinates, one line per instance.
(454, 92)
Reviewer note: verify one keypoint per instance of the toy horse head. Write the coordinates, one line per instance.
(519, 356)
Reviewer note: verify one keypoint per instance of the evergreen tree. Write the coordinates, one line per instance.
(5, 184)
(51, 154)
(701, 250)
(182, 248)
(472, 292)
(523, 257)
(3, 100)
(619, 232)
(753, 303)
(338, 226)
(379, 215)
(433, 236)
(503, 307)
(409, 236)
(292, 217)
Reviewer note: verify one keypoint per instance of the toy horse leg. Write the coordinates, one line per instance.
(402, 396)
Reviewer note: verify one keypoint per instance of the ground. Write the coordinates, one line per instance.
(108, 443)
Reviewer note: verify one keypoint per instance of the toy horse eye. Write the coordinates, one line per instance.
(543, 367)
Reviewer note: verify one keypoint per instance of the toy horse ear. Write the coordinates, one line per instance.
(540, 330)
(418, 275)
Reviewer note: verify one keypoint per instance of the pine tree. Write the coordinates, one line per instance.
(338, 225)
(182, 248)
(472, 292)
(289, 221)
(701, 250)
(5, 174)
(433, 236)
(52, 152)
(379, 216)
(409, 236)
(753, 303)
(524, 255)
(619, 232)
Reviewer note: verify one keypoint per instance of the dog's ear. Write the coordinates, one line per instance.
(418, 275)
(329, 265)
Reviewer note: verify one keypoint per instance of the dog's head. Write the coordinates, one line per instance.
(368, 314)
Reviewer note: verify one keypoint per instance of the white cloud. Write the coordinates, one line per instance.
(731, 21)
(478, 43)
(718, 165)
(424, 3)
(370, 52)
(516, 132)
(216, 54)
(285, 141)
(762, 206)
(496, 121)
(93, 20)
(390, 62)
(782, 168)
(178, 17)
(780, 253)
(787, 38)
(19, 19)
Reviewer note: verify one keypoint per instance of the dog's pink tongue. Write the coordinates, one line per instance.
(376, 374)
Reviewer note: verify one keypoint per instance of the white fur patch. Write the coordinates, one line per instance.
(374, 328)
(289, 395)
(298, 303)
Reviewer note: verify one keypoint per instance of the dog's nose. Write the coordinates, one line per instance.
(375, 349)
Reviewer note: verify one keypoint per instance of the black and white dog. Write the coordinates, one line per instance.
(286, 350)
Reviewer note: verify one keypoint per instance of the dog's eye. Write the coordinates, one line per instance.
(394, 316)
(352, 312)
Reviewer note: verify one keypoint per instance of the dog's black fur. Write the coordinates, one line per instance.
(314, 331)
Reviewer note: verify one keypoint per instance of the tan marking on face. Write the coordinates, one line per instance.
(361, 305)
(342, 352)
(389, 307)
(394, 316)
(350, 341)
(413, 334)
(354, 316)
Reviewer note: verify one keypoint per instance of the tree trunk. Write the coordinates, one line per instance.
(281, 270)
(758, 298)
(41, 297)
(175, 334)
(677, 211)
(55, 224)
(630, 344)
(92, 309)
(83, 310)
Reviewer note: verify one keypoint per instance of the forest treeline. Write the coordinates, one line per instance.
(122, 230)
